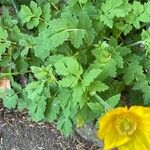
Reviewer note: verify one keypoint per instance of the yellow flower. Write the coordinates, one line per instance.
(126, 129)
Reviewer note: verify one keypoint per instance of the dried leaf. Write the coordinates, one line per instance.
(4, 84)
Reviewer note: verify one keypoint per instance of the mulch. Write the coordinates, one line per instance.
(17, 132)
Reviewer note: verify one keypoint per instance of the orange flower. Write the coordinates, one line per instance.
(126, 129)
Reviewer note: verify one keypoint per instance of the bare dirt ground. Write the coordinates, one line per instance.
(18, 133)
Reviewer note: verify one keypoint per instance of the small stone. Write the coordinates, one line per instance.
(88, 132)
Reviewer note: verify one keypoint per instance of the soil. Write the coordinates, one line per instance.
(17, 132)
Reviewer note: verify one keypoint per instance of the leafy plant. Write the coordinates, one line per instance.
(74, 58)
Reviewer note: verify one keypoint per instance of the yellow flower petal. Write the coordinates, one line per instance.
(139, 142)
(140, 110)
(109, 117)
(113, 139)
(143, 138)
(132, 146)
(144, 114)
(125, 128)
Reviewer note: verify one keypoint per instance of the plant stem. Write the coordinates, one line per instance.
(108, 107)
(55, 7)
(10, 58)
(15, 6)
(70, 30)
(14, 73)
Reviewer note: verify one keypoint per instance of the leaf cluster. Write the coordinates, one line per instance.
(65, 57)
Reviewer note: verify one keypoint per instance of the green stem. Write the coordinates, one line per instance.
(71, 30)
(108, 107)
(14, 73)
(9, 74)
(10, 58)
(55, 7)
(42, 19)
(15, 6)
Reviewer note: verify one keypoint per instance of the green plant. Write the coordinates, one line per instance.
(77, 57)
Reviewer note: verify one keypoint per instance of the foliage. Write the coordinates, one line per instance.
(74, 55)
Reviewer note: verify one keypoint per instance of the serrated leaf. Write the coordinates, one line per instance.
(133, 71)
(33, 23)
(73, 66)
(25, 14)
(77, 96)
(101, 52)
(3, 47)
(138, 9)
(52, 110)
(23, 102)
(68, 65)
(65, 125)
(35, 9)
(146, 39)
(141, 85)
(119, 60)
(68, 81)
(30, 15)
(113, 101)
(3, 34)
(76, 35)
(4, 43)
(21, 64)
(90, 76)
(43, 73)
(107, 59)
(145, 88)
(109, 69)
(107, 20)
(37, 108)
(24, 52)
(34, 88)
(10, 99)
(123, 51)
(15, 34)
(72, 2)
(146, 96)
(54, 1)
(111, 8)
(39, 72)
(63, 97)
(7, 19)
(86, 113)
(85, 23)
(27, 41)
(69, 68)
(98, 86)
(96, 108)
(47, 41)
(83, 1)
(59, 30)
(46, 15)
(61, 69)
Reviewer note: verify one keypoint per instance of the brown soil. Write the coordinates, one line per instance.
(18, 133)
